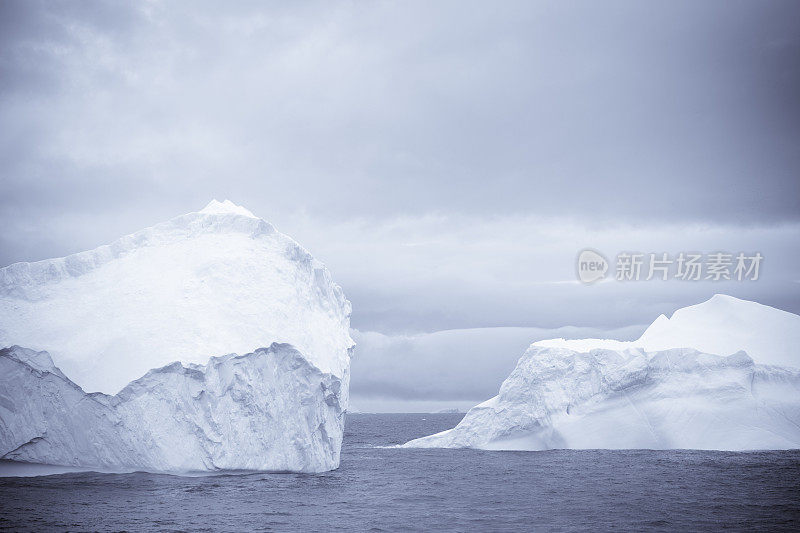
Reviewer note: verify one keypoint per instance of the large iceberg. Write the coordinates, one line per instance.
(658, 392)
(125, 356)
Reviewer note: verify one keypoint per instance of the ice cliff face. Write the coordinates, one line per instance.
(218, 281)
(267, 410)
(596, 393)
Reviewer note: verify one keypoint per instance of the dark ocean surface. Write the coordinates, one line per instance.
(386, 489)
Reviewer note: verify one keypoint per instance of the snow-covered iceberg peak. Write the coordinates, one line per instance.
(216, 207)
(723, 325)
(198, 286)
(656, 392)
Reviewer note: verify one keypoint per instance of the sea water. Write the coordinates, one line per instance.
(380, 488)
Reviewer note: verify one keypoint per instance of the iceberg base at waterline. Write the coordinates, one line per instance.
(270, 410)
(606, 399)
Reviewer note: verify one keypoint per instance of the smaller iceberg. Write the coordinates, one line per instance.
(658, 392)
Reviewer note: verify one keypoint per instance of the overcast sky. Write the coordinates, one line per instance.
(446, 160)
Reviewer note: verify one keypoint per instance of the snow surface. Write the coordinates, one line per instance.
(724, 325)
(601, 393)
(219, 281)
(267, 410)
(721, 325)
(216, 207)
(200, 285)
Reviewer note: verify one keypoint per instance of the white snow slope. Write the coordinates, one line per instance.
(722, 325)
(657, 392)
(219, 281)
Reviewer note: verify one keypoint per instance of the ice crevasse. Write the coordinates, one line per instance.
(208, 342)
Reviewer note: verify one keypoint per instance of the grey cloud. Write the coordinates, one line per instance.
(425, 274)
(353, 126)
(466, 364)
(612, 110)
